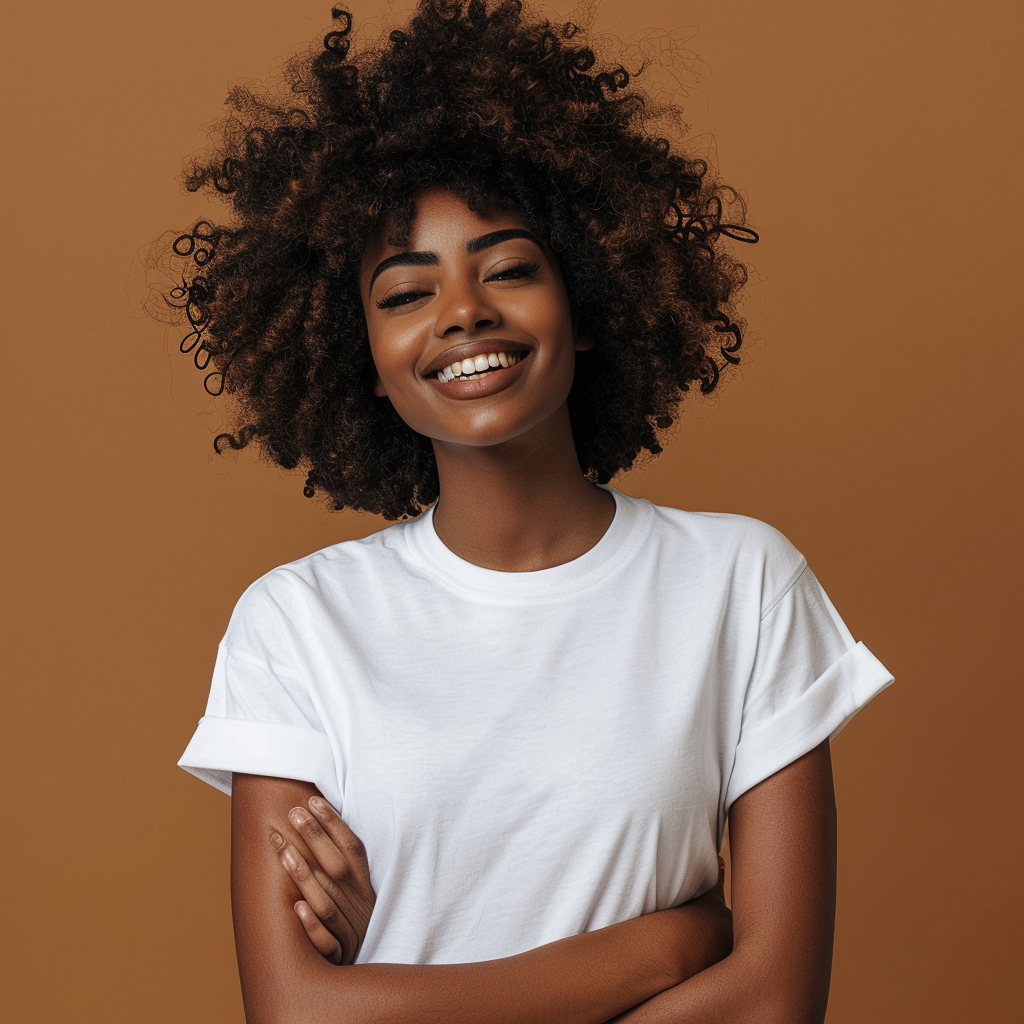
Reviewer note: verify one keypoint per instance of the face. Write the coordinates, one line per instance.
(469, 325)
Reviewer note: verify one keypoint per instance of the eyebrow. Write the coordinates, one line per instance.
(430, 259)
(405, 259)
(497, 237)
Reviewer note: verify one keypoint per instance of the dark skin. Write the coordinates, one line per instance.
(512, 494)
(513, 499)
(583, 979)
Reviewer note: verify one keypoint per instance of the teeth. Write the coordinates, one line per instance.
(478, 366)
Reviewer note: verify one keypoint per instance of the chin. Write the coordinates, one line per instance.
(498, 432)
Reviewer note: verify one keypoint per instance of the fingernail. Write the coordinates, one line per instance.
(318, 803)
(298, 815)
(276, 841)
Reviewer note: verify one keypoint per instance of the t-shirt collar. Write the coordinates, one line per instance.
(631, 520)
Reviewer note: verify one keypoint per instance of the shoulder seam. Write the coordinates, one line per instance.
(800, 570)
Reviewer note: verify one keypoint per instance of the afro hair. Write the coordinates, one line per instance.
(506, 110)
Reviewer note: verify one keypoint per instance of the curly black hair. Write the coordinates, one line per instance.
(505, 110)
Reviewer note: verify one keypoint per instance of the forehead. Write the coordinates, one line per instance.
(441, 220)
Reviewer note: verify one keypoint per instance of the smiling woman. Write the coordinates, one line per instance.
(482, 762)
(506, 114)
(477, 309)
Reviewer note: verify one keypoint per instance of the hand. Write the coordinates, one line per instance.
(338, 898)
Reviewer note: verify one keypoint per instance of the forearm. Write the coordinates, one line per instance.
(744, 988)
(584, 979)
(783, 840)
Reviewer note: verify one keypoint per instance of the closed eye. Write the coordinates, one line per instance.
(410, 295)
(512, 273)
(400, 299)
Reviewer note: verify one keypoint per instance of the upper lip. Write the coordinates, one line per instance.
(473, 348)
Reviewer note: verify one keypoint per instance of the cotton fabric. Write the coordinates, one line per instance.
(531, 755)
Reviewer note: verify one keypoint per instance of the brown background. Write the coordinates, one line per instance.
(875, 424)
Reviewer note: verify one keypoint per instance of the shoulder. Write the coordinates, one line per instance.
(752, 554)
(350, 568)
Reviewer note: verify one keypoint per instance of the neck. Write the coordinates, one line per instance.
(519, 506)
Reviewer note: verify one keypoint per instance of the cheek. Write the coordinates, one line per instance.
(380, 387)
(559, 322)
(545, 316)
(390, 356)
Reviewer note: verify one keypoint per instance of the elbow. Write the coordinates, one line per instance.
(789, 1013)
(273, 996)
(315, 992)
(789, 1004)
(781, 990)
(277, 1011)
(266, 1006)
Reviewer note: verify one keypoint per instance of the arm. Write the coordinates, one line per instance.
(782, 834)
(584, 979)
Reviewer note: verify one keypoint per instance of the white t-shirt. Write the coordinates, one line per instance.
(531, 755)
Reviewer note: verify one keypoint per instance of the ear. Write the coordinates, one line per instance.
(379, 390)
(582, 343)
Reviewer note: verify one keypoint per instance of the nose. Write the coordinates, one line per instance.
(467, 307)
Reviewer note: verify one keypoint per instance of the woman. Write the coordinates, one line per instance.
(466, 277)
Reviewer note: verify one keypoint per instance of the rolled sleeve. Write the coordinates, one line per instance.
(260, 718)
(813, 716)
(221, 746)
(808, 679)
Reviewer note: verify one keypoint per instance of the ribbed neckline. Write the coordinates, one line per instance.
(629, 525)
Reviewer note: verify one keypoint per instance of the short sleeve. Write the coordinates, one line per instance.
(808, 679)
(259, 719)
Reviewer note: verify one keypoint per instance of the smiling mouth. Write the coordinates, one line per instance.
(477, 366)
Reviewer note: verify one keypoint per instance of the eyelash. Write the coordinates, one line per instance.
(399, 299)
(524, 269)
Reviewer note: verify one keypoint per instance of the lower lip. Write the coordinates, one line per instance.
(496, 380)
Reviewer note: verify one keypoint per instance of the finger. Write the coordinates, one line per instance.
(311, 884)
(322, 845)
(355, 902)
(323, 941)
(343, 838)
(340, 852)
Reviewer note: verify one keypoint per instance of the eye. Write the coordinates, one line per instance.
(400, 299)
(517, 270)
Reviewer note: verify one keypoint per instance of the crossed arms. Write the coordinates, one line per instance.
(670, 966)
